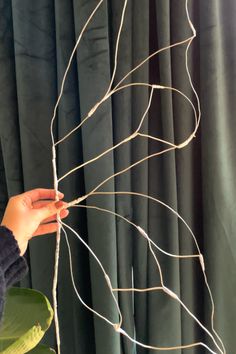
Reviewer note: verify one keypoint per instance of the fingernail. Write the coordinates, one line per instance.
(61, 194)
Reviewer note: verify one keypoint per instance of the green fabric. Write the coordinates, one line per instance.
(36, 39)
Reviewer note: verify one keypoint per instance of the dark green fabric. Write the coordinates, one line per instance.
(36, 39)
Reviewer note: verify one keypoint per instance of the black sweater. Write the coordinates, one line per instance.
(12, 266)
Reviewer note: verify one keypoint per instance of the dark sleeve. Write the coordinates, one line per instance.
(13, 267)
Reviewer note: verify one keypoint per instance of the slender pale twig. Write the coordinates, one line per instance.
(95, 191)
(137, 133)
(55, 178)
(163, 287)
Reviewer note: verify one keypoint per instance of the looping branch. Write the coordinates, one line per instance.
(170, 146)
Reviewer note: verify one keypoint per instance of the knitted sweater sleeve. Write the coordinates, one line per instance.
(13, 267)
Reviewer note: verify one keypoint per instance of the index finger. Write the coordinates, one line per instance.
(42, 193)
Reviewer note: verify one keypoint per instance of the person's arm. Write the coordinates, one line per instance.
(27, 215)
(13, 267)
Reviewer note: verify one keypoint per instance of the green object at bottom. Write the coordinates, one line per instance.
(27, 316)
(42, 349)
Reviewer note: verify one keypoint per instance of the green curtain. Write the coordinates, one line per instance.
(36, 39)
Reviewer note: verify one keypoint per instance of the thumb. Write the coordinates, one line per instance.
(51, 209)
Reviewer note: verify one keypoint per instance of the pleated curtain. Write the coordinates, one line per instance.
(36, 40)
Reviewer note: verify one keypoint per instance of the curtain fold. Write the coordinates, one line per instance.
(218, 157)
(36, 40)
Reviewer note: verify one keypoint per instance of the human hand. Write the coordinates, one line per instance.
(33, 213)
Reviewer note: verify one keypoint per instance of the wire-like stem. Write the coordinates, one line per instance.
(171, 146)
(163, 287)
(55, 179)
(137, 133)
(117, 46)
(134, 225)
